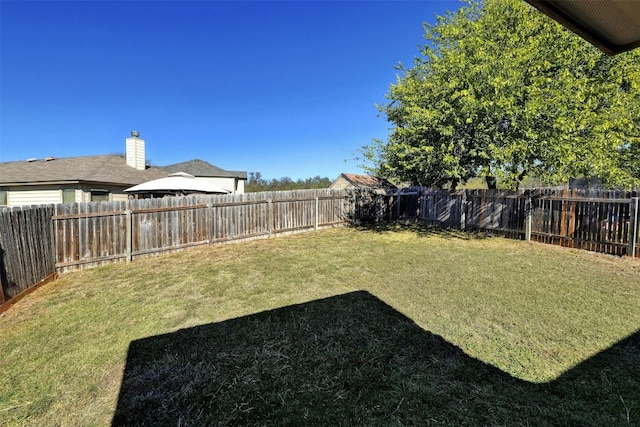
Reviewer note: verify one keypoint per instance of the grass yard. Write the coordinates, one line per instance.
(397, 326)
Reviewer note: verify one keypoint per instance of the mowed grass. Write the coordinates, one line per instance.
(389, 326)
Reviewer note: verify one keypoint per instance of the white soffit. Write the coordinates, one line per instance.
(611, 25)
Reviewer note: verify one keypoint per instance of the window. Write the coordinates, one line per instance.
(3, 197)
(68, 195)
(99, 195)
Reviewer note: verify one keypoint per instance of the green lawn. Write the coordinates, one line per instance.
(345, 326)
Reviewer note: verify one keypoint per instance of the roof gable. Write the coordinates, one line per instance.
(202, 168)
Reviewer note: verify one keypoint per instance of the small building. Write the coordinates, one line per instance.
(232, 181)
(349, 180)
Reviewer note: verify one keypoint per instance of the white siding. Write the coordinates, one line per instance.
(240, 189)
(228, 184)
(33, 197)
(43, 195)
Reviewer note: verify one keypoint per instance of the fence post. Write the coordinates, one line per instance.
(270, 216)
(462, 206)
(129, 232)
(209, 221)
(2, 268)
(563, 218)
(633, 227)
(528, 212)
(315, 214)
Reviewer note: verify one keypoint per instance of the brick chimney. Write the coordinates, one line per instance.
(135, 151)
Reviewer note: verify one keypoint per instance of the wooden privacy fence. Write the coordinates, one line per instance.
(26, 251)
(425, 205)
(90, 234)
(608, 226)
(37, 242)
(606, 222)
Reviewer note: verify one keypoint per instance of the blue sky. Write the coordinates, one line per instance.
(287, 89)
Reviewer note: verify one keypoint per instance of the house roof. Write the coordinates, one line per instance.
(611, 25)
(202, 168)
(366, 181)
(109, 169)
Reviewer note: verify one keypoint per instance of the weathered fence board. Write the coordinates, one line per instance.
(26, 249)
(496, 212)
(96, 233)
(606, 224)
(596, 225)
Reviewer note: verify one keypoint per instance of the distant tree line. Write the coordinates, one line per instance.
(257, 183)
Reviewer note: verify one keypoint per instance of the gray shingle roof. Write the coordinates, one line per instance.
(104, 169)
(202, 168)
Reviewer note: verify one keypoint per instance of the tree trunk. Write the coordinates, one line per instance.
(492, 182)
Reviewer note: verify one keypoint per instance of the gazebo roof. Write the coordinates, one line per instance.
(177, 182)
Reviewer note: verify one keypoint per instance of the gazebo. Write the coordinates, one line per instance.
(176, 184)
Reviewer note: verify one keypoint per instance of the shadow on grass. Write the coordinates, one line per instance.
(353, 360)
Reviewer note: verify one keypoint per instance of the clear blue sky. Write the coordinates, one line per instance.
(282, 88)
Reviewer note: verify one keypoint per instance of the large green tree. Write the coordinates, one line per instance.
(502, 91)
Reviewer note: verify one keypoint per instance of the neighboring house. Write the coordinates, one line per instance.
(69, 180)
(349, 180)
(232, 181)
(76, 179)
(88, 178)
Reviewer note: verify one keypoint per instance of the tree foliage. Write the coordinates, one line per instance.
(502, 91)
(257, 183)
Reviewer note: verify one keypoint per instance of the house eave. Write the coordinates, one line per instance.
(62, 182)
(597, 31)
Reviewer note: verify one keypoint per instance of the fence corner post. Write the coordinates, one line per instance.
(528, 212)
(633, 227)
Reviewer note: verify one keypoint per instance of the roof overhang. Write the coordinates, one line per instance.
(19, 184)
(611, 25)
